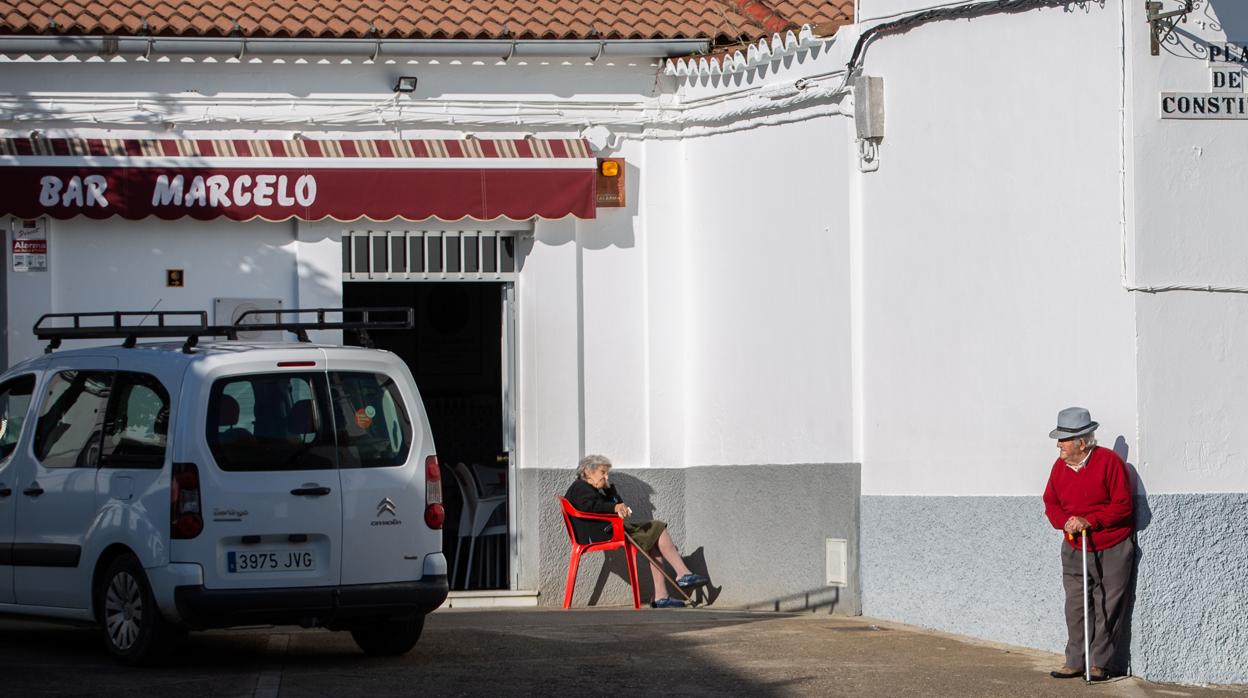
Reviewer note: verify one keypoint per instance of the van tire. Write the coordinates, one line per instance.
(135, 632)
(389, 637)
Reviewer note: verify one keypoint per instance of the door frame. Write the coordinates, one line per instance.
(383, 264)
(510, 385)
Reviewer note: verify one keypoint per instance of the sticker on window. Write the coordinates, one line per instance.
(364, 417)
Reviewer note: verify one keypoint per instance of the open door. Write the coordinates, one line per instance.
(460, 354)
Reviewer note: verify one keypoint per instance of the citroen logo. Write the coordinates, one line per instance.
(386, 506)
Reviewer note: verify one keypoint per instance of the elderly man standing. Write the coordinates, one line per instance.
(1089, 490)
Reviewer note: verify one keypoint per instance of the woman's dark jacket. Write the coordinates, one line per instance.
(585, 497)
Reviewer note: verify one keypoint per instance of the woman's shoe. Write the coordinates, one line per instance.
(667, 602)
(692, 580)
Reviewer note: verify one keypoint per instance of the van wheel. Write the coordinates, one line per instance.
(134, 630)
(389, 637)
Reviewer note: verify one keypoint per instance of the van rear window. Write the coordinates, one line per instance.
(308, 421)
(270, 422)
(374, 429)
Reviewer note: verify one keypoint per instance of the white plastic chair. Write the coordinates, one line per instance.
(473, 518)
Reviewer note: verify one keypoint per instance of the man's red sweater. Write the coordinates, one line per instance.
(1100, 492)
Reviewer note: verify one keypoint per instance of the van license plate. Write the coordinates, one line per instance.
(269, 560)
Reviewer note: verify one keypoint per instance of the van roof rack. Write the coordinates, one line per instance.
(360, 320)
(53, 327)
(88, 326)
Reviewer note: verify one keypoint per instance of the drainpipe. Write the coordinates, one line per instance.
(373, 49)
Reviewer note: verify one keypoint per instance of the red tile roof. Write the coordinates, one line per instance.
(722, 21)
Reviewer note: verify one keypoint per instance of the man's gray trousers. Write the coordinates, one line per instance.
(1109, 578)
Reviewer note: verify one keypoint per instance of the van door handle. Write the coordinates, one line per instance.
(5, 491)
(33, 491)
(310, 491)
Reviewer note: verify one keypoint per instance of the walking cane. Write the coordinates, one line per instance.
(659, 568)
(1087, 660)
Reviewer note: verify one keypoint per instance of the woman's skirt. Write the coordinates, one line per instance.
(646, 534)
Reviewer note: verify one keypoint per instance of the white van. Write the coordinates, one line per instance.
(159, 488)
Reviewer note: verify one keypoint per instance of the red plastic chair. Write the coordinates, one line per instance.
(618, 540)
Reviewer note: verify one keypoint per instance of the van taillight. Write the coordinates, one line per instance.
(435, 515)
(187, 520)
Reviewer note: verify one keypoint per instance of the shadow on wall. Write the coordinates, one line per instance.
(820, 600)
(640, 498)
(614, 227)
(1121, 662)
(1228, 17)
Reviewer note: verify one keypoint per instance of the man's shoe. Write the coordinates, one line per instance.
(1098, 674)
(1066, 673)
(692, 580)
(667, 602)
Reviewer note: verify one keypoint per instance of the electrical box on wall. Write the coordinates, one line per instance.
(869, 108)
(837, 551)
(227, 311)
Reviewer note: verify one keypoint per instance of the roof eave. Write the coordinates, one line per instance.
(241, 47)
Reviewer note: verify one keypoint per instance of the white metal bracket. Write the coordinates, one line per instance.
(868, 155)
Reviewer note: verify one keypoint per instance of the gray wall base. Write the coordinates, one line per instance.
(988, 567)
(757, 531)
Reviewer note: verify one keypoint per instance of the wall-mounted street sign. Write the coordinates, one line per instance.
(1195, 105)
(1226, 99)
(30, 244)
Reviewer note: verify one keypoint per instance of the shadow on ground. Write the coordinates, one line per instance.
(547, 652)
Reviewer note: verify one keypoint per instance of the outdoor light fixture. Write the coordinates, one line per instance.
(609, 187)
(406, 84)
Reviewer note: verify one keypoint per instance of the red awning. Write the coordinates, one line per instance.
(276, 180)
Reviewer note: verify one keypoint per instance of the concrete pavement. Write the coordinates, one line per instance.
(617, 652)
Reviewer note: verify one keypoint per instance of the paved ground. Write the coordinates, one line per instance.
(575, 653)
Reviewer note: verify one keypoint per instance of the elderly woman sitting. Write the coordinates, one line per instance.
(593, 492)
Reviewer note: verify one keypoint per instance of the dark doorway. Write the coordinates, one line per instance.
(455, 354)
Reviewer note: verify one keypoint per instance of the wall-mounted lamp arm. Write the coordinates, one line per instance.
(1157, 20)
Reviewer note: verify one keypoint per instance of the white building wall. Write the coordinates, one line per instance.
(318, 263)
(614, 322)
(998, 244)
(1183, 212)
(324, 99)
(115, 264)
(665, 224)
(549, 357)
(1186, 215)
(991, 299)
(768, 358)
(990, 252)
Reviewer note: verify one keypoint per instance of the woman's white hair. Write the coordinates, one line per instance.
(590, 463)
